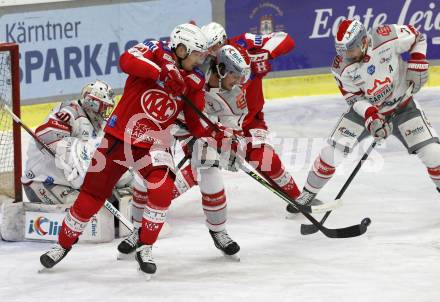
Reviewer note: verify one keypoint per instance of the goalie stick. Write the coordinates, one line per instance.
(107, 204)
(307, 229)
(351, 231)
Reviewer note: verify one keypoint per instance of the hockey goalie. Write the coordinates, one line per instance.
(72, 131)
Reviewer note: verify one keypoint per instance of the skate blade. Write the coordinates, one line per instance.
(144, 275)
(43, 270)
(122, 256)
(293, 216)
(235, 257)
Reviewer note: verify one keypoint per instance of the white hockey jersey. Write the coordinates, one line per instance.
(65, 120)
(227, 107)
(380, 78)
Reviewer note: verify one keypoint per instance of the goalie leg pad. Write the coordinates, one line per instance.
(13, 224)
(40, 192)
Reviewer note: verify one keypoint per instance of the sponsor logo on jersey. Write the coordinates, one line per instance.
(346, 132)
(384, 50)
(194, 78)
(382, 94)
(258, 40)
(158, 106)
(151, 45)
(49, 180)
(415, 131)
(371, 69)
(378, 83)
(43, 226)
(386, 59)
(112, 121)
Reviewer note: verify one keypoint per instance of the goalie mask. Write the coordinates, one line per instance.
(233, 64)
(97, 100)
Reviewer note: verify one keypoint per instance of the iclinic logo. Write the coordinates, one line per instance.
(43, 226)
(158, 105)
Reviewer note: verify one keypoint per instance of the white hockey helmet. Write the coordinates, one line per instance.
(231, 60)
(98, 98)
(215, 34)
(349, 36)
(191, 36)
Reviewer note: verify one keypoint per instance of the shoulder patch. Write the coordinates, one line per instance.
(199, 72)
(242, 43)
(339, 64)
(151, 44)
(382, 34)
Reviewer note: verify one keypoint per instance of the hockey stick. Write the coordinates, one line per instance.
(107, 204)
(307, 229)
(351, 231)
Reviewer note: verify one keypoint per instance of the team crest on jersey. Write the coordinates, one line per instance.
(384, 30)
(158, 105)
(371, 69)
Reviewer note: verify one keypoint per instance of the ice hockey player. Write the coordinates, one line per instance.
(138, 135)
(225, 88)
(72, 130)
(373, 79)
(261, 50)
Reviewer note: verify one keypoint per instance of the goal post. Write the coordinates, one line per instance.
(10, 132)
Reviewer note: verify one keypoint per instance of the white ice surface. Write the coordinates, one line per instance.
(398, 259)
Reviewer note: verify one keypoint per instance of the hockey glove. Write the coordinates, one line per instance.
(417, 71)
(376, 123)
(260, 64)
(232, 153)
(174, 84)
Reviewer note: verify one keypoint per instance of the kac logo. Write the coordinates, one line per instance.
(158, 105)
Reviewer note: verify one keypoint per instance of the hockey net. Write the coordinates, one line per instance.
(10, 136)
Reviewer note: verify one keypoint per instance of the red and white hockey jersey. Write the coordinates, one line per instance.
(67, 119)
(275, 44)
(380, 78)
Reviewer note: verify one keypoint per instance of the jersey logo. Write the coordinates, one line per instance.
(241, 101)
(158, 105)
(112, 121)
(258, 40)
(371, 69)
(384, 30)
(378, 83)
